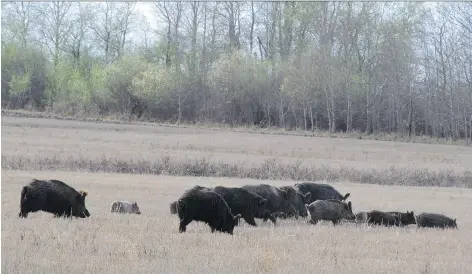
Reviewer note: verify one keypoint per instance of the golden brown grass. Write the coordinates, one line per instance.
(251, 129)
(150, 243)
(40, 144)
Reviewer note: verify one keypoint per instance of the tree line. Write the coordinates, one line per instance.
(403, 68)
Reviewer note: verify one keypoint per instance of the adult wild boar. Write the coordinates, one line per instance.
(125, 207)
(240, 201)
(321, 191)
(435, 220)
(52, 196)
(297, 199)
(277, 199)
(206, 206)
(329, 210)
(404, 219)
(382, 218)
(243, 202)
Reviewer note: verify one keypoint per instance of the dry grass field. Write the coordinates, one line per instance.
(42, 144)
(78, 152)
(150, 242)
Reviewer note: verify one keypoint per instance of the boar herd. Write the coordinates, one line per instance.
(222, 207)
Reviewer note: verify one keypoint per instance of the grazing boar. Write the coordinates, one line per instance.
(321, 191)
(277, 199)
(382, 218)
(297, 199)
(206, 206)
(173, 205)
(52, 196)
(240, 201)
(243, 202)
(404, 219)
(435, 220)
(330, 210)
(125, 207)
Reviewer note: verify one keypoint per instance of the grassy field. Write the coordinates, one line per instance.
(44, 144)
(150, 242)
(79, 152)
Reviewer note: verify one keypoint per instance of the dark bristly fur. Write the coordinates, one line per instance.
(206, 206)
(382, 218)
(240, 200)
(435, 220)
(321, 191)
(298, 199)
(404, 219)
(277, 199)
(52, 196)
(330, 210)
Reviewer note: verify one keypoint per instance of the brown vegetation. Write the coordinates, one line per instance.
(150, 242)
(42, 144)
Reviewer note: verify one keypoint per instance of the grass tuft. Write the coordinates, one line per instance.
(270, 169)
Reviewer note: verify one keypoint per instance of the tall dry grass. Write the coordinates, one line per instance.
(150, 242)
(44, 144)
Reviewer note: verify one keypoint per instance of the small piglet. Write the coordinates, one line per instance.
(125, 207)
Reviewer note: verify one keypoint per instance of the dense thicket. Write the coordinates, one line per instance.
(404, 68)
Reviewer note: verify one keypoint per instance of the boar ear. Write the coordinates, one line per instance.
(349, 205)
(237, 217)
(307, 207)
(135, 203)
(84, 193)
(307, 196)
(346, 196)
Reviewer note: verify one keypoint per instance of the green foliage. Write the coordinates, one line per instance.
(119, 79)
(20, 84)
(23, 76)
(156, 84)
(73, 93)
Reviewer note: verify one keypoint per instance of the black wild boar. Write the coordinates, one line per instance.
(330, 210)
(208, 207)
(297, 199)
(243, 202)
(404, 219)
(52, 196)
(173, 205)
(321, 191)
(240, 201)
(435, 220)
(382, 218)
(277, 199)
